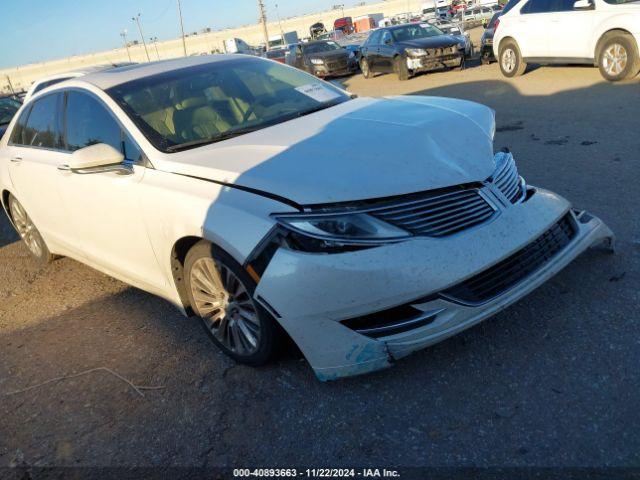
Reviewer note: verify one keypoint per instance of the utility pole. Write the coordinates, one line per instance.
(184, 43)
(263, 21)
(13, 92)
(137, 20)
(123, 34)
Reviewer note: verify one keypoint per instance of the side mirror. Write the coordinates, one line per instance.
(98, 158)
(583, 5)
(388, 41)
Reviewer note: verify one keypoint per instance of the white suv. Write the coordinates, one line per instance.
(605, 33)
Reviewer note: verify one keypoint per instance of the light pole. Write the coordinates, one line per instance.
(279, 23)
(137, 20)
(154, 40)
(184, 43)
(123, 34)
(263, 21)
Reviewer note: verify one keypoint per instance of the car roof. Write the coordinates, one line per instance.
(80, 72)
(106, 79)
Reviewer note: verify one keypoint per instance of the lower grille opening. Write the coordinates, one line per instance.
(391, 321)
(503, 276)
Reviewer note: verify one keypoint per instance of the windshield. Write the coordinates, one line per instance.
(8, 108)
(321, 47)
(415, 31)
(620, 2)
(203, 104)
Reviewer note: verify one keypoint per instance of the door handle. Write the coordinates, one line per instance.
(16, 159)
(64, 168)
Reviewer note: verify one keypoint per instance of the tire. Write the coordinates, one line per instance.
(366, 70)
(486, 57)
(618, 57)
(240, 327)
(28, 232)
(510, 59)
(401, 69)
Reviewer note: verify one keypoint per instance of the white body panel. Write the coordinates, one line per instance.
(127, 226)
(570, 35)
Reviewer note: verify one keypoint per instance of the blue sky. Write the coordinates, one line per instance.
(37, 30)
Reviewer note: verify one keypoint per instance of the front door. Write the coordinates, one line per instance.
(104, 208)
(571, 30)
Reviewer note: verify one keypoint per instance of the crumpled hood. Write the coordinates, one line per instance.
(361, 149)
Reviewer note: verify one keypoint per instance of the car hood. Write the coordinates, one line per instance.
(361, 149)
(335, 54)
(431, 42)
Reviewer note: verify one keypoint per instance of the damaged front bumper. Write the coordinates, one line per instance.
(314, 296)
(428, 63)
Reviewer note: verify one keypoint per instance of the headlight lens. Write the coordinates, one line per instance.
(344, 227)
(416, 52)
(352, 55)
(317, 61)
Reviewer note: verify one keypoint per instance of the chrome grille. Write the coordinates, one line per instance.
(507, 179)
(438, 214)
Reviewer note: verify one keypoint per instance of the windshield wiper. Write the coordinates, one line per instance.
(206, 141)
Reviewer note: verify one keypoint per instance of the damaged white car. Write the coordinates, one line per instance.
(230, 186)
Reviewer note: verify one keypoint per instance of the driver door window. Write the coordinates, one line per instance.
(88, 123)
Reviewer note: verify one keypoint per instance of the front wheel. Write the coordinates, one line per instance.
(221, 293)
(619, 58)
(401, 69)
(28, 231)
(511, 61)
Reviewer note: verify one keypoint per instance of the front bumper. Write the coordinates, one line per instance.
(324, 71)
(312, 293)
(427, 63)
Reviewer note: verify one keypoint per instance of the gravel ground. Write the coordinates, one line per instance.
(552, 381)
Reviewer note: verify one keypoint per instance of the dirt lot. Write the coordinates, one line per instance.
(552, 381)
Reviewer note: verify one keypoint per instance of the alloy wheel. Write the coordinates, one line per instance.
(25, 227)
(509, 60)
(615, 59)
(225, 305)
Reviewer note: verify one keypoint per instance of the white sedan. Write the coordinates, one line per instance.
(270, 203)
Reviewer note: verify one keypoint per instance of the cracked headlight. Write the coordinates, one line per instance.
(347, 228)
(416, 52)
(317, 61)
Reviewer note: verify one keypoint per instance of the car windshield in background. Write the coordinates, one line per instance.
(321, 47)
(194, 106)
(8, 108)
(620, 2)
(415, 31)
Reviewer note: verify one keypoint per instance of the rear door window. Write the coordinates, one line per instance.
(43, 128)
(538, 6)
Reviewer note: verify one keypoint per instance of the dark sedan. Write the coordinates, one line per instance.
(8, 108)
(323, 59)
(409, 49)
(486, 42)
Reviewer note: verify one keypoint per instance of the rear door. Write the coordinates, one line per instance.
(532, 28)
(371, 49)
(35, 150)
